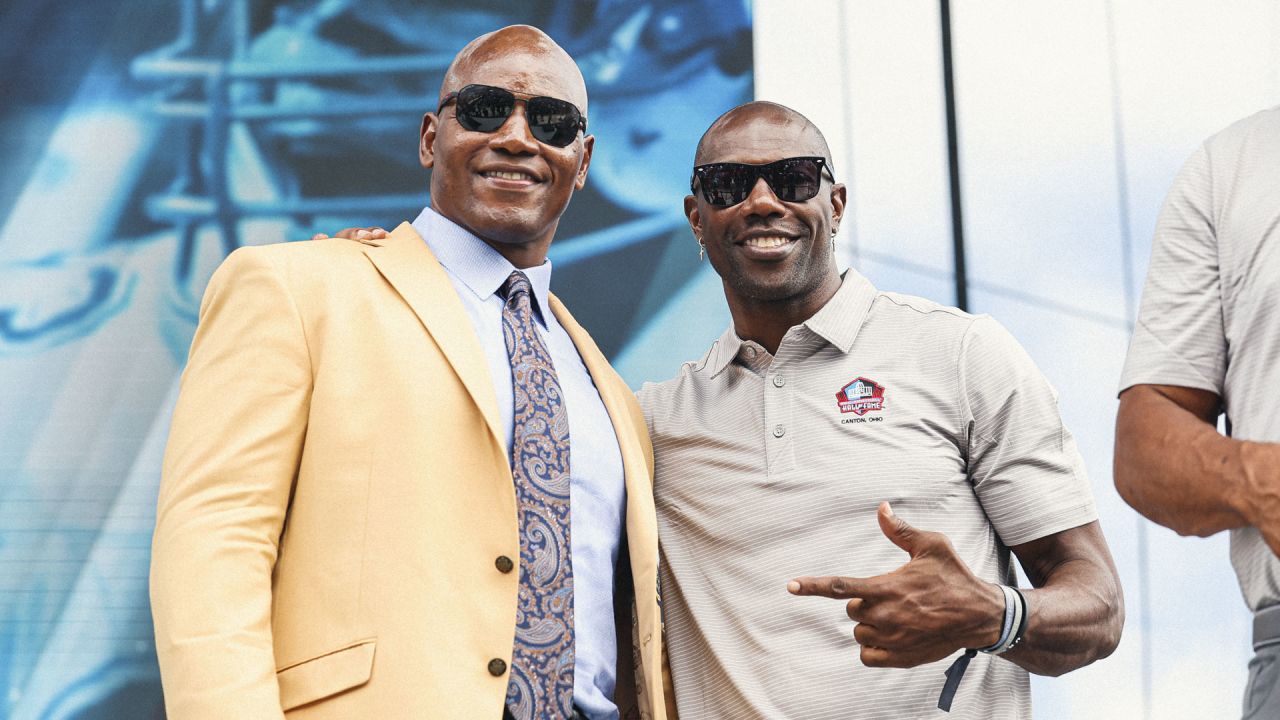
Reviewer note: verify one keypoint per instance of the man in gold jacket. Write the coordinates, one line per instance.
(339, 532)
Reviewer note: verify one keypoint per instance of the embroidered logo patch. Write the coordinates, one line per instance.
(861, 396)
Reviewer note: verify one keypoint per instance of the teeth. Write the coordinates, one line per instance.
(508, 175)
(766, 242)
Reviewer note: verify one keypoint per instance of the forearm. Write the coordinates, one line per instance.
(1173, 467)
(1076, 611)
(1069, 627)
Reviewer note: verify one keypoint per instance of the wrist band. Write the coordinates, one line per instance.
(1022, 624)
(1015, 624)
(1011, 629)
(1010, 622)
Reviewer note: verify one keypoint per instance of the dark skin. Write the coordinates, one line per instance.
(933, 605)
(1173, 466)
(505, 187)
(769, 290)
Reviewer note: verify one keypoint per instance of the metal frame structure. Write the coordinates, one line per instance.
(200, 192)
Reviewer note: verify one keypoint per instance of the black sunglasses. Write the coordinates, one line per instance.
(484, 108)
(794, 179)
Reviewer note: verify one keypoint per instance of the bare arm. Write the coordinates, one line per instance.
(933, 605)
(1173, 466)
(1077, 608)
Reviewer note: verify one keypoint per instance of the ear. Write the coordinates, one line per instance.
(838, 195)
(588, 143)
(427, 140)
(695, 217)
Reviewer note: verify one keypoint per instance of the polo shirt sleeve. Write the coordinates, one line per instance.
(644, 396)
(1179, 339)
(1023, 463)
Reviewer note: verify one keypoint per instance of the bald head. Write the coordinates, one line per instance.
(547, 64)
(808, 137)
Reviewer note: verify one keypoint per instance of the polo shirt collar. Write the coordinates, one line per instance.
(837, 322)
(481, 269)
(840, 319)
(724, 351)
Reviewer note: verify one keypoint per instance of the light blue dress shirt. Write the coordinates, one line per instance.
(597, 494)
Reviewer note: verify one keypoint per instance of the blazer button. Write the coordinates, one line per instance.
(504, 565)
(497, 667)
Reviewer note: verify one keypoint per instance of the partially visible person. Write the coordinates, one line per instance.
(401, 481)
(1207, 343)
(776, 452)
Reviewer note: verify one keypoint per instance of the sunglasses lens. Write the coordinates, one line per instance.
(795, 179)
(791, 180)
(554, 122)
(725, 185)
(484, 108)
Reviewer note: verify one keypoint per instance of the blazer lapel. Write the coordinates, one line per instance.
(642, 530)
(616, 397)
(408, 264)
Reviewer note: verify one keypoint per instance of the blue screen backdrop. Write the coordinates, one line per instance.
(143, 141)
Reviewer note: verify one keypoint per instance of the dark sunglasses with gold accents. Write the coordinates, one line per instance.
(484, 108)
(795, 179)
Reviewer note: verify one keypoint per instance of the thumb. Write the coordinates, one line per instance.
(897, 530)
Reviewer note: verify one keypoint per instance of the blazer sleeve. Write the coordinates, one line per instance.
(232, 456)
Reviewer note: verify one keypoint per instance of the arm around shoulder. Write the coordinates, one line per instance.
(233, 452)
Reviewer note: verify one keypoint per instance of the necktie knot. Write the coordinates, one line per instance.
(516, 284)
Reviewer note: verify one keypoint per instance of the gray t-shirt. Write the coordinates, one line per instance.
(769, 468)
(1210, 316)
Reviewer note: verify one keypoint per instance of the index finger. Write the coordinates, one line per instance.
(833, 586)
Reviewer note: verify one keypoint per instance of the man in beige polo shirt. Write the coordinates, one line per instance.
(826, 397)
(1207, 343)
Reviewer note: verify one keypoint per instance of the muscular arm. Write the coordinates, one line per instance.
(1173, 466)
(1077, 608)
(933, 605)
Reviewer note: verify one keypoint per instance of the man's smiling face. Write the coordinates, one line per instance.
(763, 248)
(506, 187)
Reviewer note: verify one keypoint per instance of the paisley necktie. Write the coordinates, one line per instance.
(541, 684)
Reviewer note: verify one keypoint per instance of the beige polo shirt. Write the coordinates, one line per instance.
(1210, 316)
(769, 468)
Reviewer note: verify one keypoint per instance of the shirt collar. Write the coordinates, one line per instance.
(724, 351)
(473, 261)
(837, 322)
(840, 319)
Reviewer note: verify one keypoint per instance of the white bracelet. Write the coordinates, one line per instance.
(1010, 622)
(1019, 609)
